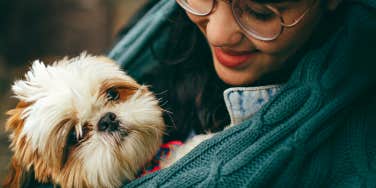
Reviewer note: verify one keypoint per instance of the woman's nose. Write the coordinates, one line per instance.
(221, 28)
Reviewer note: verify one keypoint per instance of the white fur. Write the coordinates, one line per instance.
(188, 146)
(70, 88)
(58, 90)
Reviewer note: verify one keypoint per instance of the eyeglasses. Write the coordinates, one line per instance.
(260, 21)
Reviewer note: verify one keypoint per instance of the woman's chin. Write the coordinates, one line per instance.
(235, 77)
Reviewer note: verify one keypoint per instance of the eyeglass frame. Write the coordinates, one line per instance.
(252, 34)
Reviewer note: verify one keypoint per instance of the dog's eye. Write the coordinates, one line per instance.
(72, 137)
(112, 94)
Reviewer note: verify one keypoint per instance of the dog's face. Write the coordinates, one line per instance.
(83, 123)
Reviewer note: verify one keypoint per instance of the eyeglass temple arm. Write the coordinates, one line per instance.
(296, 21)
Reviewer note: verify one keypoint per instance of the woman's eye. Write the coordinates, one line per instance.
(112, 94)
(263, 15)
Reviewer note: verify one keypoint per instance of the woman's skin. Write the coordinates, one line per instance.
(263, 58)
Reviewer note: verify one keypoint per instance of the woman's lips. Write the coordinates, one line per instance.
(232, 58)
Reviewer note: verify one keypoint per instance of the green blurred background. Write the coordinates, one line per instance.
(49, 30)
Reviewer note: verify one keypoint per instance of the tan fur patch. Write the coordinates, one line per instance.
(14, 124)
(15, 121)
(105, 59)
(125, 89)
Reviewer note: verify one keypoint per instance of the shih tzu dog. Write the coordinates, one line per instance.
(81, 122)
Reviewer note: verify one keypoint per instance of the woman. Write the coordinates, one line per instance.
(297, 78)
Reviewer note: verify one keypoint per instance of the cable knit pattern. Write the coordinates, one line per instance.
(314, 133)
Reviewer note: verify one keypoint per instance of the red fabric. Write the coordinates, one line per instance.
(163, 153)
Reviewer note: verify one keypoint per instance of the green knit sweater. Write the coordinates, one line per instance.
(319, 131)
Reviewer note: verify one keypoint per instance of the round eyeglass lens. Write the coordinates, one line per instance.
(197, 7)
(257, 20)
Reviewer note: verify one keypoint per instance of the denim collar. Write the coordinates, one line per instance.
(243, 102)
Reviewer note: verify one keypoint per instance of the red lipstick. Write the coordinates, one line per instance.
(231, 59)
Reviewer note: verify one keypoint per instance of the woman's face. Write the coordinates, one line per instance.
(242, 60)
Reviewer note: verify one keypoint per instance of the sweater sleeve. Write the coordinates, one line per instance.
(354, 149)
(369, 171)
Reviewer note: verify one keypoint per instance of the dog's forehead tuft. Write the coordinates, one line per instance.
(82, 73)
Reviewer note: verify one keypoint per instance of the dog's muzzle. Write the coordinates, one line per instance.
(108, 122)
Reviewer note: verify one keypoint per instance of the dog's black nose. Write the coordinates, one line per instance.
(108, 122)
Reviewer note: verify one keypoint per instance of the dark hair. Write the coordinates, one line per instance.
(186, 81)
(188, 84)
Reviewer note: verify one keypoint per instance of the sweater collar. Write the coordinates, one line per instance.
(243, 102)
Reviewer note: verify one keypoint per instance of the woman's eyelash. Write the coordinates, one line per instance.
(264, 15)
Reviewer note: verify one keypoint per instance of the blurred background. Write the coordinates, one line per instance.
(48, 30)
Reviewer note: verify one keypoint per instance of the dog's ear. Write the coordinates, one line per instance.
(15, 120)
(18, 177)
